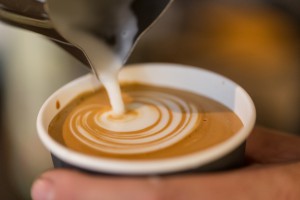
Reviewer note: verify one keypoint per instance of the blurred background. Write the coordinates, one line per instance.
(255, 43)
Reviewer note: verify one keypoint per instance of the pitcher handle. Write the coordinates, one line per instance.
(31, 15)
(29, 8)
(24, 13)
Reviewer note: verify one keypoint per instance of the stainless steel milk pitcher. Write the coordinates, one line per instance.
(33, 15)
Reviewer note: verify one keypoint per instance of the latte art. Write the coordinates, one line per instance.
(159, 123)
(153, 121)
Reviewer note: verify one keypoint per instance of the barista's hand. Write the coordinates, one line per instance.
(274, 173)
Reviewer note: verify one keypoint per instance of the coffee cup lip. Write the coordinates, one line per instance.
(143, 167)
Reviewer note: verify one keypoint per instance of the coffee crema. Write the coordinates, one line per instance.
(159, 123)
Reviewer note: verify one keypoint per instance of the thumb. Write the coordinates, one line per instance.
(272, 182)
(67, 184)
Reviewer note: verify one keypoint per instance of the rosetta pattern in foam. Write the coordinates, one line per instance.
(154, 121)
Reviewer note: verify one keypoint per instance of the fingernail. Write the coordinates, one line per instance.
(42, 189)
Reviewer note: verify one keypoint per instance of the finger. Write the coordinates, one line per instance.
(269, 146)
(65, 184)
(270, 183)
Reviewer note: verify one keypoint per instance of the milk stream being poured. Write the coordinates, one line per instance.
(106, 60)
(106, 31)
(106, 67)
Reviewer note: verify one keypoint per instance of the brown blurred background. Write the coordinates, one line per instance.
(255, 43)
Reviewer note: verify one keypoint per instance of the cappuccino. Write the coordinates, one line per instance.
(158, 123)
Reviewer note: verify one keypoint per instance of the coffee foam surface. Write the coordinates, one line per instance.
(153, 121)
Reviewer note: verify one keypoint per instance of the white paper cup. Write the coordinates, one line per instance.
(225, 155)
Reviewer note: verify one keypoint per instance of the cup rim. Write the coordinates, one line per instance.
(143, 167)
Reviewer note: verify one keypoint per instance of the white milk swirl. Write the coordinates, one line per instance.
(154, 121)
